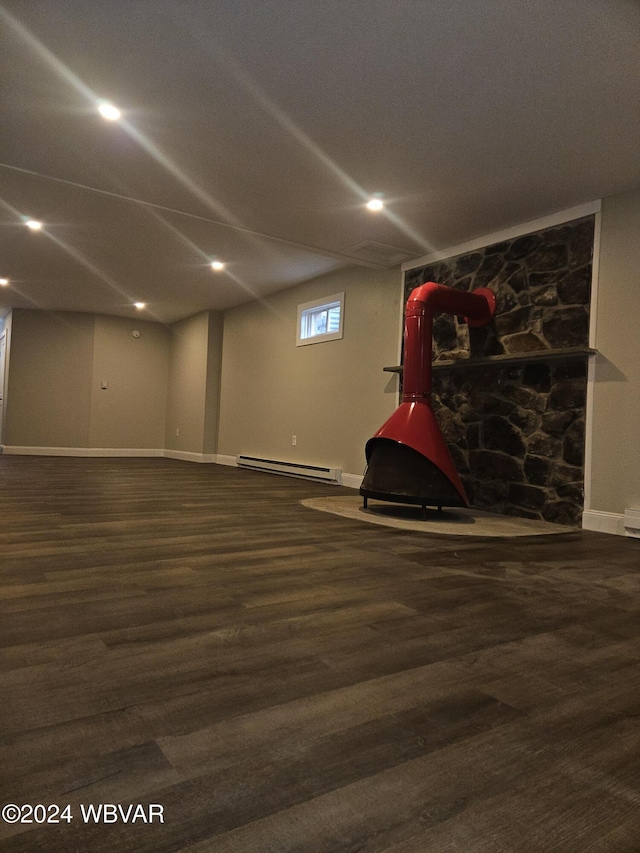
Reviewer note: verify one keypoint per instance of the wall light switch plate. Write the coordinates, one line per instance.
(104, 384)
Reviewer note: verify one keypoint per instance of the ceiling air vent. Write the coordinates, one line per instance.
(378, 253)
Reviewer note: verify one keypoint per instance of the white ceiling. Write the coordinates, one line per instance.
(254, 131)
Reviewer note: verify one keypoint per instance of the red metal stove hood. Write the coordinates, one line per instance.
(413, 425)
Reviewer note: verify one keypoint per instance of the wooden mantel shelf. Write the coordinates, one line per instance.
(508, 359)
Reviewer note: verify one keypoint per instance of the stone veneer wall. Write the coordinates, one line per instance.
(516, 430)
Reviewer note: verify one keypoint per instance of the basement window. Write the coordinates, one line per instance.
(320, 320)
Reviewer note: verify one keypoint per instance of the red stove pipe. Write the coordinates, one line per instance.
(477, 308)
(413, 424)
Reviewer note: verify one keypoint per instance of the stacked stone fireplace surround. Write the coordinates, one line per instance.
(510, 397)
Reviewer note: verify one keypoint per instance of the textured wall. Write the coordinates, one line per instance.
(615, 469)
(58, 363)
(516, 431)
(48, 402)
(187, 394)
(331, 395)
(131, 412)
(194, 383)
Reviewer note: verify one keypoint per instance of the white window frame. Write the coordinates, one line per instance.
(318, 305)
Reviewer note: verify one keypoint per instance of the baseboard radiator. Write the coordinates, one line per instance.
(632, 523)
(291, 469)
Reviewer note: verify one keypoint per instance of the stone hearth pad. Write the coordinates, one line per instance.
(458, 522)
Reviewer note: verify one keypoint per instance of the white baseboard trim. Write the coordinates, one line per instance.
(221, 459)
(632, 522)
(189, 456)
(603, 522)
(352, 481)
(94, 452)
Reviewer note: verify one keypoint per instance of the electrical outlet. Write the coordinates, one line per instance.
(177, 432)
(294, 440)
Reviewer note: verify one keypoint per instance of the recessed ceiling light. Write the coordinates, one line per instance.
(375, 204)
(4, 282)
(108, 111)
(140, 305)
(33, 224)
(217, 265)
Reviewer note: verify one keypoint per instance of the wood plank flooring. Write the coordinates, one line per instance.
(281, 680)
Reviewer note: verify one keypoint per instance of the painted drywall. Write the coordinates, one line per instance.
(615, 457)
(48, 401)
(131, 411)
(5, 337)
(214, 373)
(332, 395)
(194, 384)
(57, 364)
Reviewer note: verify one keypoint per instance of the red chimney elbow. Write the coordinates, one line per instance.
(477, 306)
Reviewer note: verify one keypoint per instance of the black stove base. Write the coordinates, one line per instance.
(399, 474)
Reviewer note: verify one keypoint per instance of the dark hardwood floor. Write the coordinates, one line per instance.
(280, 679)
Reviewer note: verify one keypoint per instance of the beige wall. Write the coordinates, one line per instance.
(214, 375)
(58, 360)
(131, 412)
(5, 329)
(615, 462)
(333, 396)
(48, 400)
(194, 384)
